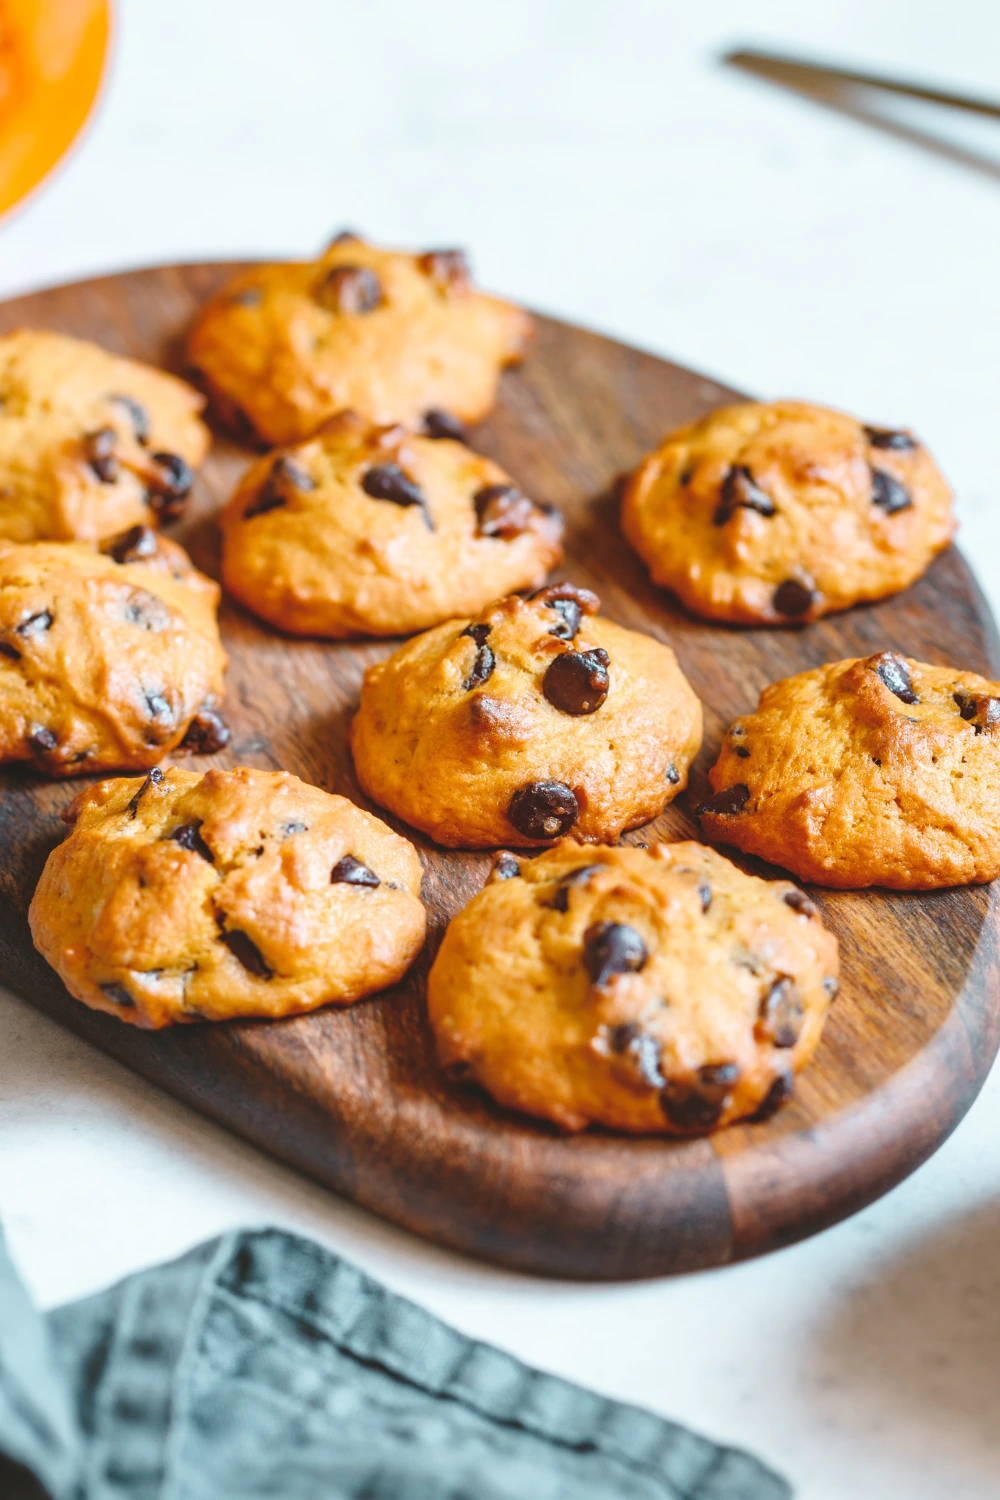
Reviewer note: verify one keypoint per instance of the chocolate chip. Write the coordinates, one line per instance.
(285, 473)
(685, 477)
(742, 752)
(447, 267)
(705, 892)
(543, 809)
(485, 661)
(42, 740)
(7, 648)
(388, 482)
(611, 948)
(779, 1093)
(132, 545)
(780, 1017)
(577, 682)
(249, 955)
(980, 711)
(732, 799)
(441, 424)
(739, 489)
(35, 624)
(288, 829)
(888, 494)
(206, 734)
(793, 598)
(502, 511)
(118, 995)
(799, 901)
(579, 876)
(895, 674)
(137, 415)
(170, 488)
(188, 835)
(672, 775)
(641, 1049)
(350, 289)
(569, 602)
(350, 871)
(101, 457)
(505, 866)
(145, 610)
(831, 986)
(159, 707)
(887, 437)
(699, 1103)
(152, 778)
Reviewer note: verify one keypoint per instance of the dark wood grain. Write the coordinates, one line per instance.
(354, 1098)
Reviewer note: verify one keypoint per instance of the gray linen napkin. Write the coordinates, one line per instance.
(261, 1365)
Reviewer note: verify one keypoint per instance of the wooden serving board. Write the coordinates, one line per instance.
(354, 1098)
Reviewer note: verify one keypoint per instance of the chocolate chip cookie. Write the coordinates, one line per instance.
(775, 513)
(369, 530)
(183, 897)
(107, 660)
(534, 719)
(90, 444)
(658, 991)
(398, 337)
(884, 771)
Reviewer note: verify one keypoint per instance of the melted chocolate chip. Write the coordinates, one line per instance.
(137, 415)
(350, 289)
(981, 712)
(569, 602)
(284, 473)
(7, 648)
(482, 667)
(732, 799)
(42, 740)
(779, 1093)
(350, 871)
(799, 901)
(170, 488)
(389, 482)
(577, 682)
(888, 494)
(505, 866)
(672, 775)
(207, 733)
(793, 598)
(780, 1017)
(35, 624)
(699, 1103)
(579, 876)
(641, 1049)
(887, 437)
(611, 948)
(101, 457)
(152, 778)
(895, 674)
(502, 511)
(739, 489)
(449, 268)
(442, 424)
(543, 809)
(133, 545)
(188, 835)
(245, 949)
(118, 995)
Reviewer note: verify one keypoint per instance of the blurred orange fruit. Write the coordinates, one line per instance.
(52, 55)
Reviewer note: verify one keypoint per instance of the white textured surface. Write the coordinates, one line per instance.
(600, 164)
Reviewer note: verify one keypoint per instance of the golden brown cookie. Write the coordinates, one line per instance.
(107, 660)
(649, 991)
(90, 444)
(238, 893)
(398, 337)
(534, 719)
(884, 771)
(370, 530)
(774, 513)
